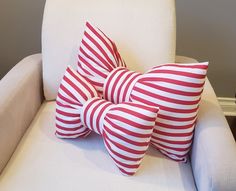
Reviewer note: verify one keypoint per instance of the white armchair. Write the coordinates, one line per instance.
(32, 158)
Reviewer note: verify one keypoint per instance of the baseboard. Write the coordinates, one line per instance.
(228, 105)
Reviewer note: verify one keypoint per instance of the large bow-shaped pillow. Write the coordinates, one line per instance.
(174, 88)
(126, 128)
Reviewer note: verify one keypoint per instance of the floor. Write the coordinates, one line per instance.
(232, 124)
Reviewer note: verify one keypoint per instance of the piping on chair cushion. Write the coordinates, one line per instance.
(126, 128)
(175, 88)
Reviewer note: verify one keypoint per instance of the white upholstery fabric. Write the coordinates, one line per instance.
(143, 31)
(20, 98)
(44, 162)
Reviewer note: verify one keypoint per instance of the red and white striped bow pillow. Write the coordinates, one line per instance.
(126, 128)
(174, 88)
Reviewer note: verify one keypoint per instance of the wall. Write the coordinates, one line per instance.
(206, 30)
(20, 28)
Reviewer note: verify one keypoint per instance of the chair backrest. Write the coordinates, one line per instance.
(144, 32)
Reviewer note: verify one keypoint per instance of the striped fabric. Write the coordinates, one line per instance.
(174, 88)
(126, 128)
(97, 50)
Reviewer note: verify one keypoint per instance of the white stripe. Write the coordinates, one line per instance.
(132, 128)
(102, 44)
(176, 87)
(118, 86)
(159, 102)
(174, 137)
(122, 92)
(133, 118)
(176, 123)
(174, 77)
(175, 145)
(176, 68)
(164, 93)
(93, 64)
(177, 131)
(128, 136)
(126, 144)
(123, 152)
(172, 151)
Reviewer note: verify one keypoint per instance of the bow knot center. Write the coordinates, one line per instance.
(94, 112)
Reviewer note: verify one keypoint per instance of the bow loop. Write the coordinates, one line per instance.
(97, 57)
(73, 93)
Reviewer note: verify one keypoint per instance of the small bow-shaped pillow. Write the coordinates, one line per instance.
(174, 88)
(126, 128)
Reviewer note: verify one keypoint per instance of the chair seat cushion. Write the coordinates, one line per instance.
(44, 162)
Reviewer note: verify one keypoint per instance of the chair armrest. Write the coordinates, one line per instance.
(213, 155)
(20, 98)
(184, 59)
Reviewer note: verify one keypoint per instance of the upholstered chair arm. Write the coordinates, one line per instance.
(213, 153)
(20, 99)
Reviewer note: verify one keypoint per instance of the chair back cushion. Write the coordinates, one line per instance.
(144, 32)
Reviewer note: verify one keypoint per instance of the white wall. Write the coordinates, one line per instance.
(20, 28)
(206, 30)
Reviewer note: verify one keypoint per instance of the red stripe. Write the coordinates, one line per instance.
(173, 148)
(91, 58)
(99, 116)
(179, 119)
(129, 122)
(128, 85)
(187, 66)
(104, 42)
(102, 60)
(169, 109)
(85, 132)
(108, 60)
(108, 82)
(132, 142)
(121, 86)
(173, 126)
(173, 91)
(179, 73)
(157, 139)
(134, 113)
(143, 106)
(69, 129)
(126, 131)
(75, 87)
(68, 94)
(125, 157)
(69, 121)
(83, 84)
(66, 113)
(125, 172)
(114, 84)
(163, 98)
(86, 113)
(173, 134)
(172, 81)
(94, 69)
